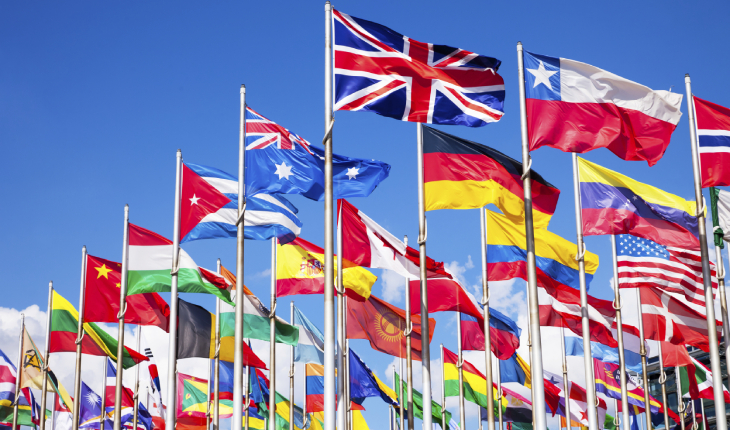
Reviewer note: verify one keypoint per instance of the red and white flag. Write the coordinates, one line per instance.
(713, 134)
(565, 311)
(367, 244)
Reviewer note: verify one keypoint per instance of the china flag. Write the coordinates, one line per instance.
(101, 297)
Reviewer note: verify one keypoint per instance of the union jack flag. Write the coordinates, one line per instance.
(380, 70)
(261, 133)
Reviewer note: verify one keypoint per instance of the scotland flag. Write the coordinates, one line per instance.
(278, 161)
(209, 208)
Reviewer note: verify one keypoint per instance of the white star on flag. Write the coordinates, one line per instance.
(194, 200)
(542, 76)
(283, 171)
(352, 172)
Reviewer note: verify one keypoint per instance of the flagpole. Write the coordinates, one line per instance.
(409, 357)
(17, 374)
(80, 331)
(291, 371)
(44, 389)
(615, 408)
(721, 422)
(620, 334)
(400, 393)
(723, 304)
(120, 317)
(237, 418)
(304, 393)
(702, 408)
(341, 406)
(53, 411)
(538, 384)
(499, 394)
(171, 415)
(348, 401)
(248, 396)
(580, 257)
(272, 340)
(216, 370)
(529, 347)
(642, 352)
(487, 331)
(425, 343)
(663, 381)
(136, 382)
(443, 388)
(329, 299)
(103, 394)
(566, 381)
(460, 365)
(208, 416)
(681, 408)
(392, 424)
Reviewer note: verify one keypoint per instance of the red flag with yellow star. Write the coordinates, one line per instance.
(101, 300)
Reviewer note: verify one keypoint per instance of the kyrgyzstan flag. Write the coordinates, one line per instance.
(101, 297)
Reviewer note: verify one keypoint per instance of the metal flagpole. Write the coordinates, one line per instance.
(580, 257)
(20, 369)
(341, 405)
(723, 304)
(529, 346)
(348, 401)
(216, 370)
(566, 381)
(53, 411)
(681, 408)
(702, 408)
(171, 414)
(425, 343)
(409, 357)
(443, 389)
(400, 393)
(538, 384)
(663, 381)
(615, 408)
(208, 415)
(237, 418)
(120, 315)
(694, 416)
(272, 340)
(247, 397)
(291, 370)
(487, 337)
(329, 298)
(721, 422)
(460, 365)
(103, 393)
(304, 396)
(44, 389)
(80, 331)
(399, 400)
(642, 352)
(620, 334)
(136, 383)
(499, 394)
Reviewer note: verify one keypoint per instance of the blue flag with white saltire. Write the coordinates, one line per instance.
(310, 348)
(209, 208)
(279, 161)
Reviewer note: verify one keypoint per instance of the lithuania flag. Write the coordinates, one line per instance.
(64, 331)
(475, 384)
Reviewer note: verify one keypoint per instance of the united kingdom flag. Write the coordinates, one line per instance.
(380, 70)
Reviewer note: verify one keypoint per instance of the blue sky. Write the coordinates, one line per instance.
(95, 98)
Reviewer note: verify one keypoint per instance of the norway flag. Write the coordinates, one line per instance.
(576, 107)
(713, 133)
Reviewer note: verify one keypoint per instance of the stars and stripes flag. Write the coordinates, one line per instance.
(646, 264)
(382, 71)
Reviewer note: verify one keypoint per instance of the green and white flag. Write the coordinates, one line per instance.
(150, 268)
(697, 382)
(720, 203)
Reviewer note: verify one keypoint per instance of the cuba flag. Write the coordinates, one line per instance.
(209, 209)
(280, 162)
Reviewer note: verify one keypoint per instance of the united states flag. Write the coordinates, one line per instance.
(644, 263)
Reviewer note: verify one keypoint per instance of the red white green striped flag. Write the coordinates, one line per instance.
(697, 382)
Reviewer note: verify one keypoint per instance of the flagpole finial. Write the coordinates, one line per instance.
(243, 88)
(686, 78)
(519, 43)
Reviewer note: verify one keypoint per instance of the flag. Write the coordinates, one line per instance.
(576, 107)
(503, 332)
(579, 405)
(101, 297)
(127, 412)
(667, 317)
(515, 369)
(196, 336)
(90, 414)
(358, 421)
(367, 244)
(713, 134)
(697, 382)
(364, 383)
(555, 256)
(382, 324)
(157, 409)
(452, 297)
(436, 410)
(144, 418)
(608, 382)
(192, 397)
(460, 174)
(310, 348)
(256, 324)
(646, 264)
(720, 215)
(612, 203)
(150, 265)
(315, 387)
(574, 347)
(259, 387)
(64, 332)
(280, 162)
(566, 311)
(300, 270)
(209, 208)
(674, 355)
(62, 415)
(475, 383)
(8, 378)
(516, 404)
(380, 70)
(31, 375)
(282, 413)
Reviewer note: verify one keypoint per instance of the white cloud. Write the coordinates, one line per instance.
(393, 286)
(263, 274)
(469, 264)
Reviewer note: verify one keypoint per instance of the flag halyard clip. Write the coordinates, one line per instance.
(663, 378)
(460, 363)
(617, 305)
(328, 134)
(526, 173)
(582, 254)
(242, 214)
(81, 336)
(422, 240)
(217, 350)
(485, 302)
(407, 332)
(272, 314)
(120, 314)
(177, 266)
